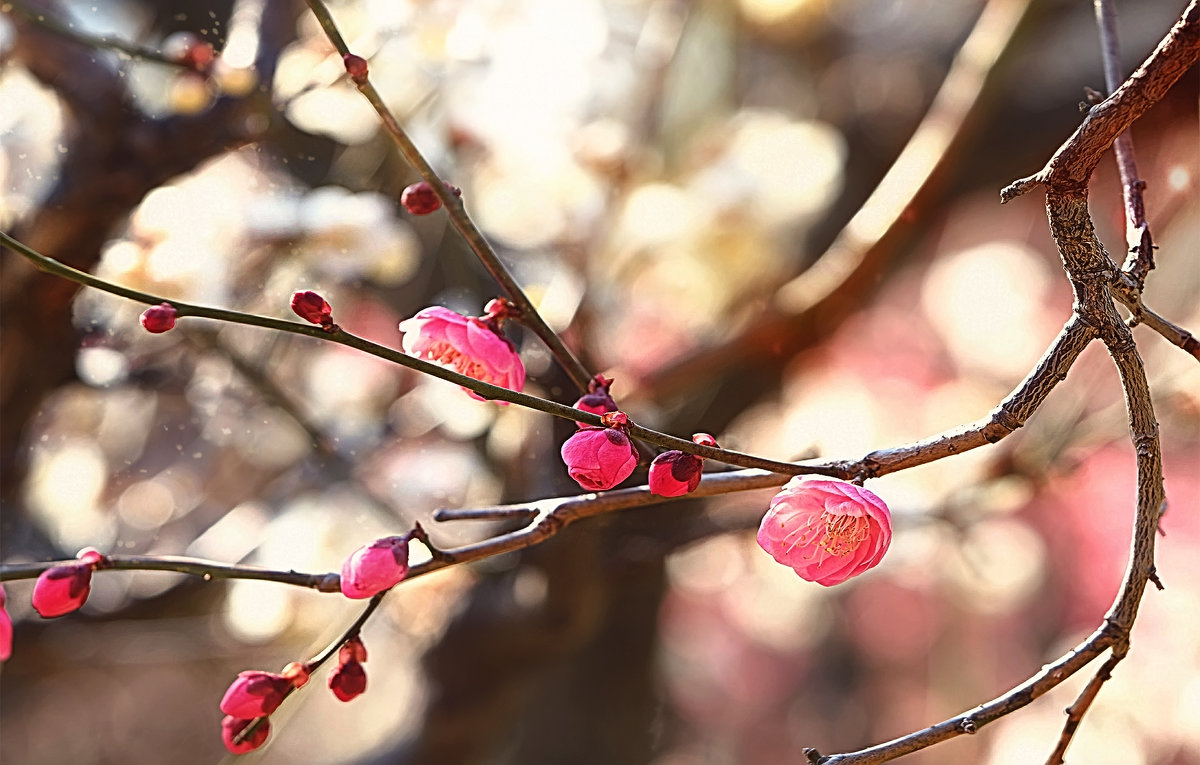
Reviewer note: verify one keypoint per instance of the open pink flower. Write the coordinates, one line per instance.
(230, 728)
(599, 458)
(5, 628)
(63, 589)
(826, 531)
(375, 567)
(468, 345)
(255, 694)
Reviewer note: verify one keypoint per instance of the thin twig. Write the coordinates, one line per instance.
(205, 569)
(1076, 711)
(458, 213)
(337, 335)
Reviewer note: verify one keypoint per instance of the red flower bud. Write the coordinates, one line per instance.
(255, 694)
(232, 726)
(420, 199)
(348, 681)
(352, 650)
(375, 567)
(356, 67)
(675, 473)
(311, 307)
(62, 589)
(159, 318)
(599, 458)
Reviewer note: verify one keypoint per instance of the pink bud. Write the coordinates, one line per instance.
(6, 629)
(597, 400)
(348, 680)
(352, 650)
(599, 458)
(255, 694)
(704, 439)
(311, 307)
(232, 726)
(356, 67)
(675, 473)
(375, 567)
(468, 345)
(159, 318)
(826, 531)
(62, 589)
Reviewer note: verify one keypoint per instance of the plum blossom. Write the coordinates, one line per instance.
(6, 628)
(826, 531)
(313, 308)
(230, 728)
(255, 694)
(468, 345)
(158, 318)
(600, 458)
(63, 589)
(675, 473)
(375, 567)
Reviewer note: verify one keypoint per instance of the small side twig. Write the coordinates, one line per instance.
(1076, 711)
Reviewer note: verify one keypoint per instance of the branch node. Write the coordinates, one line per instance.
(968, 725)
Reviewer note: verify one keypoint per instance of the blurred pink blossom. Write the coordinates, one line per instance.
(373, 568)
(826, 531)
(231, 726)
(470, 346)
(6, 628)
(599, 458)
(255, 694)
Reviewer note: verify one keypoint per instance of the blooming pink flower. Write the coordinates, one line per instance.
(375, 567)
(62, 589)
(827, 531)
(348, 680)
(313, 308)
(158, 318)
(231, 726)
(255, 694)
(6, 629)
(468, 345)
(599, 458)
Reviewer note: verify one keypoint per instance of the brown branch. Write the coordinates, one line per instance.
(1140, 257)
(205, 569)
(1125, 289)
(1072, 165)
(1076, 711)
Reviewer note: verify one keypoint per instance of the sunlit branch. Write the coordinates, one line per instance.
(458, 213)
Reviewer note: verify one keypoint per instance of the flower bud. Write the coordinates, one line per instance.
(826, 531)
(420, 199)
(348, 680)
(311, 307)
(62, 589)
(6, 628)
(230, 728)
(675, 473)
(375, 567)
(158, 318)
(356, 67)
(597, 400)
(255, 694)
(599, 458)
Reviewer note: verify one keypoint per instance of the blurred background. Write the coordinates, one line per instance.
(660, 175)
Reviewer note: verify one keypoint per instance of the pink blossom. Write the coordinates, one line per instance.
(313, 308)
(826, 531)
(158, 318)
(675, 473)
(231, 726)
(375, 567)
(6, 629)
(255, 694)
(348, 680)
(468, 345)
(62, 589)
(599, 458)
